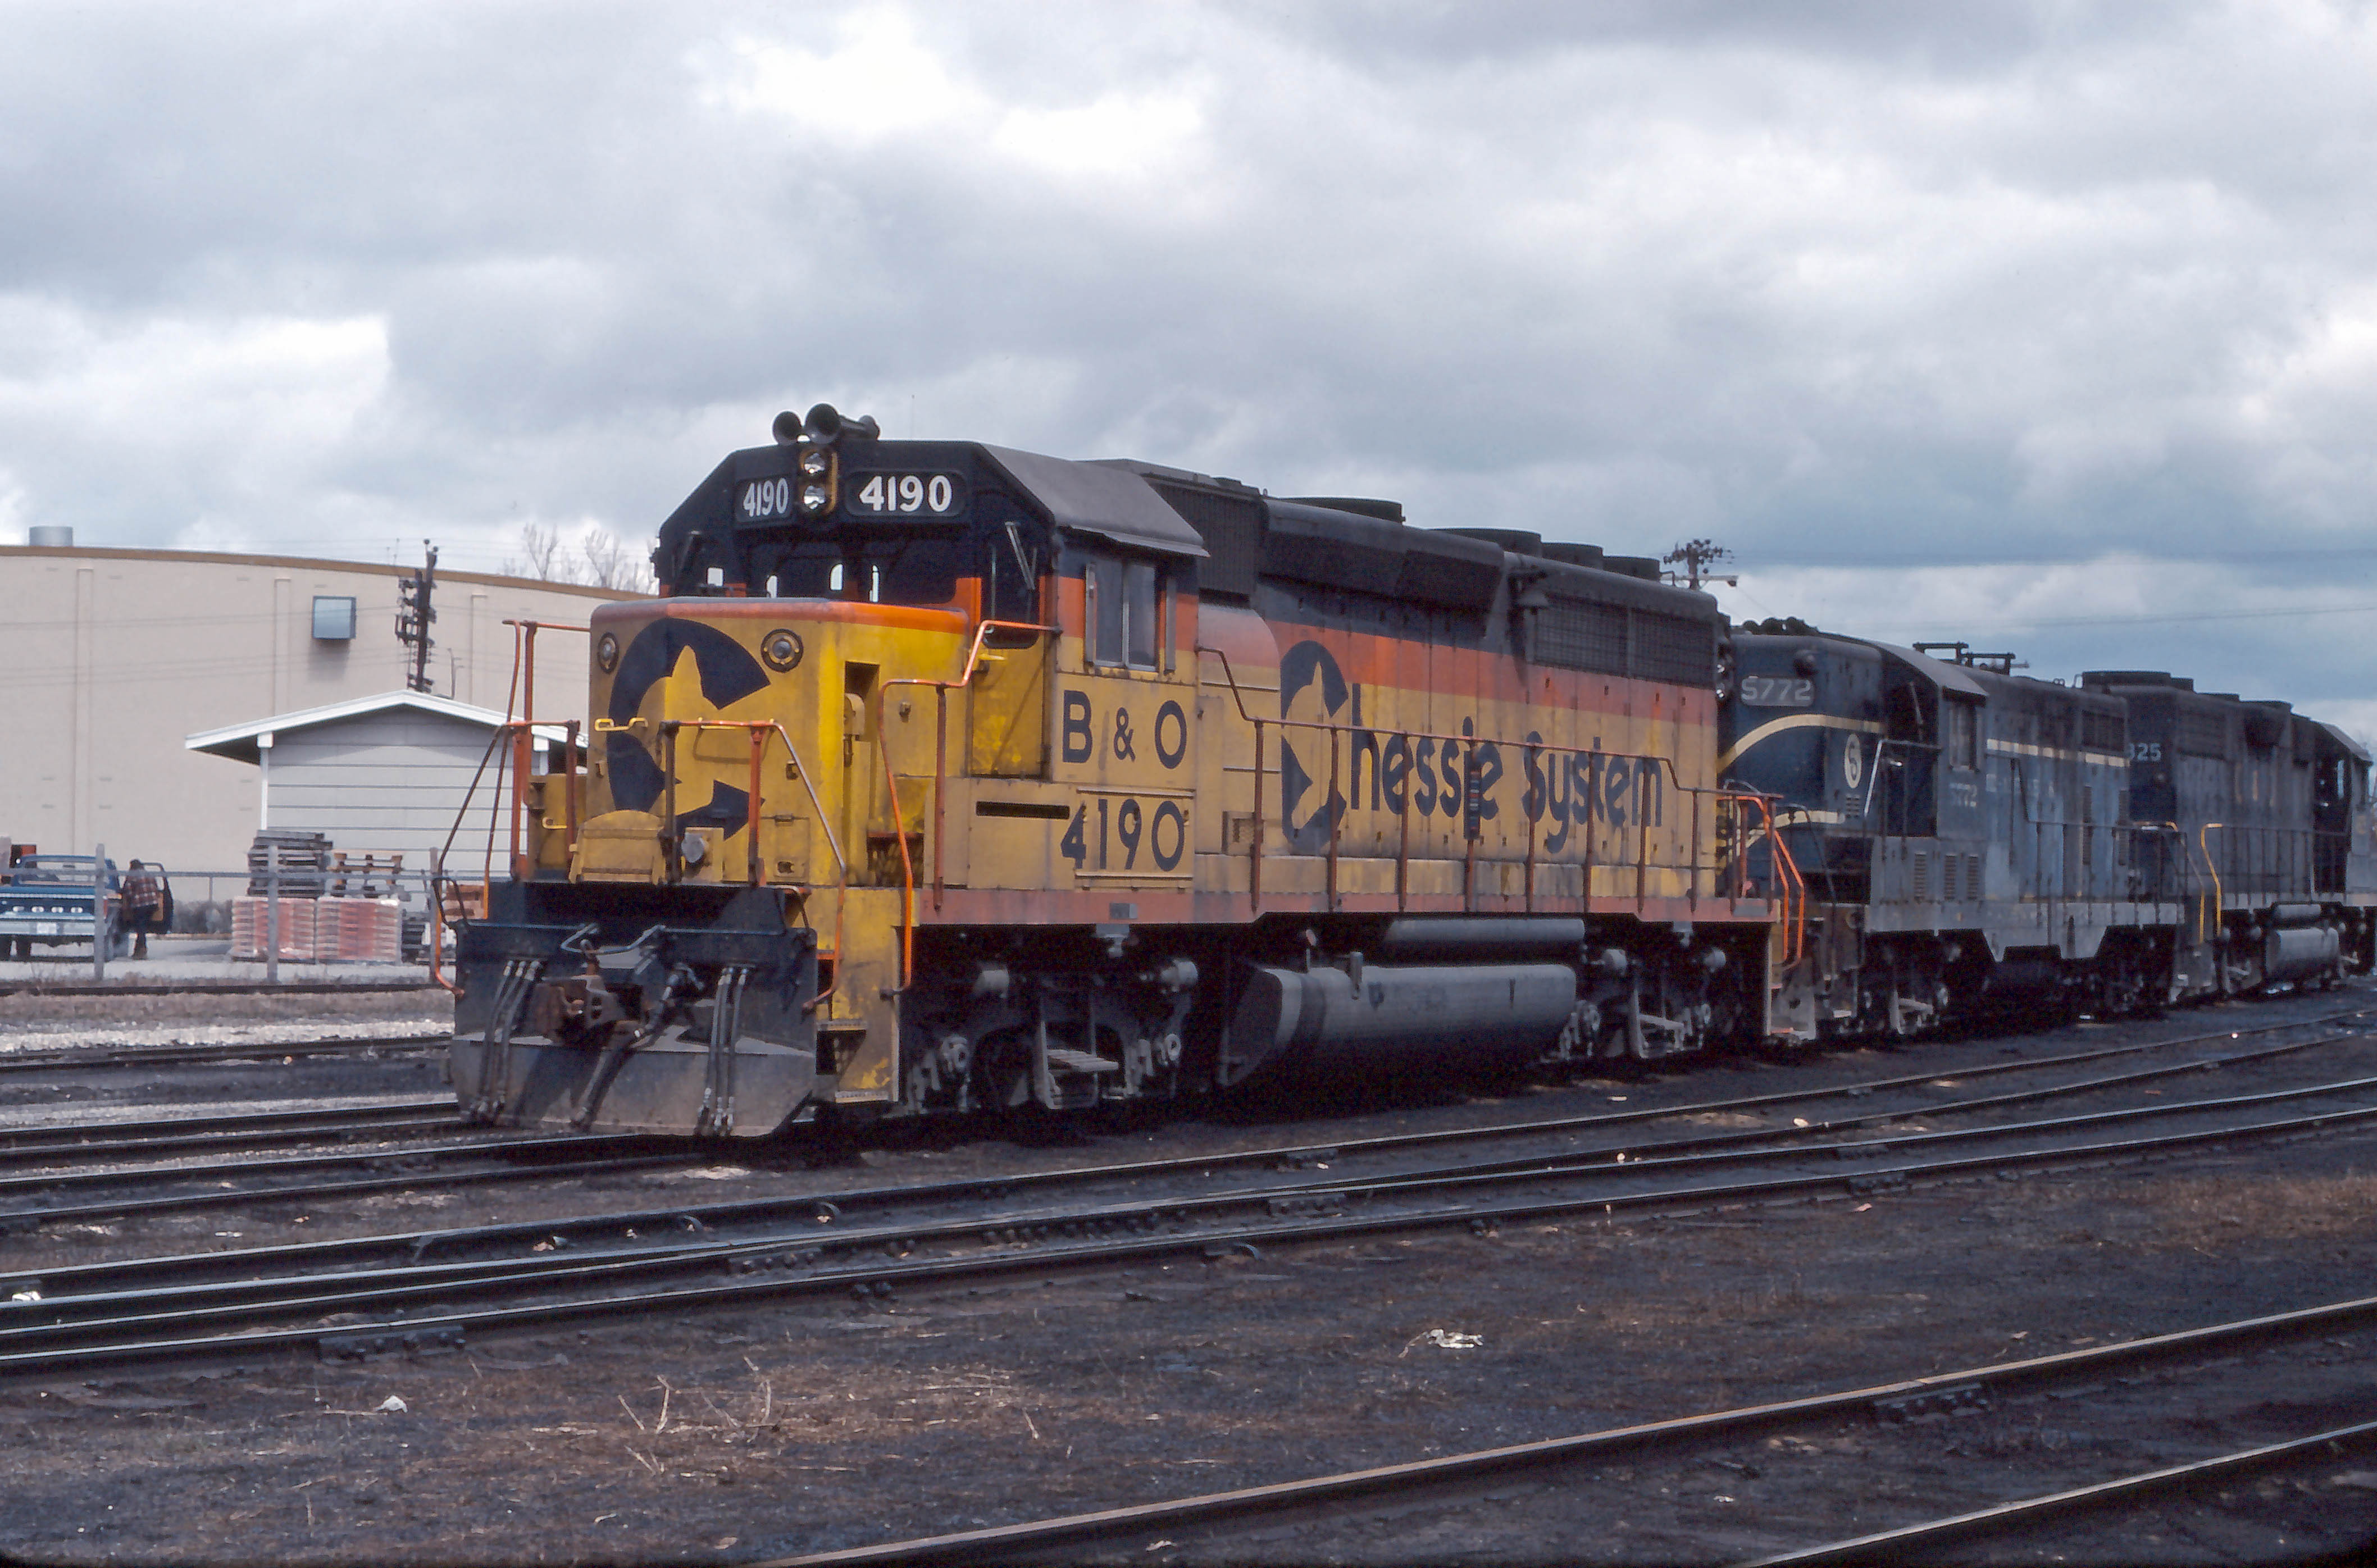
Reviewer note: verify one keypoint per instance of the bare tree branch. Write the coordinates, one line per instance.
(601, 559)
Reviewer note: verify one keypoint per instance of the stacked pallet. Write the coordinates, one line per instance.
(300, 860)
(364, 876)
(359, 930)
(321, 930)
(250, 918)
(335, 908)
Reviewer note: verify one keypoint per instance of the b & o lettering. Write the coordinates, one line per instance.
(1078, 741)
(1171, 735)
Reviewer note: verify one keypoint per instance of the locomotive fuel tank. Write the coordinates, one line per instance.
(1328, 1018)
(2296, 952)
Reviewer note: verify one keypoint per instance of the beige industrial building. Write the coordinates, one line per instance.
(114, 657)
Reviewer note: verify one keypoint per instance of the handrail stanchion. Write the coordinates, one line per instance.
(940, 786)
(1532, 750)
(2218, 898)
(1469, 818)
(751, 828)
(1255, 842)
(570, 798)
(907, 876)
(672, 847)
(1336, 813)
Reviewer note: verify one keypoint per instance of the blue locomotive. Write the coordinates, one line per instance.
(1974, 841)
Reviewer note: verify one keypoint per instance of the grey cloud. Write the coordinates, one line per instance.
(1830, 282)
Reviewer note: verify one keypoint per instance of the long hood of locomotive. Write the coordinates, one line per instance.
(1328, 768)
(1475, 747)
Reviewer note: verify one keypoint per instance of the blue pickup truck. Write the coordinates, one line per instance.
(55, 900)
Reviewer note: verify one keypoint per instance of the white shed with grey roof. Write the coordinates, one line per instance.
(382, 775)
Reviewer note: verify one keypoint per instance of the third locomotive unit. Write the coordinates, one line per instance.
(943, 775)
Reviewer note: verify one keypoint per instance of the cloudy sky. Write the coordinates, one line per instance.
(2050, 327)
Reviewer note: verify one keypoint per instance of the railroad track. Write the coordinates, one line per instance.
(86, 1057)
(238, 1303)
(477, 1156)
(204, 1185)
(127, 1191)
(1207, 1523)
(2021, 1513)
(137, 988)
(49, 1143)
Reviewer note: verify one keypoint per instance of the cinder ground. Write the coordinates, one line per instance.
(141, 1005)
(830, 1421)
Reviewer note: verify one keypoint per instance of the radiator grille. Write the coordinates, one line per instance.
(1612, 640)
(2203, 734)
(1674, 648)
(1583, 636)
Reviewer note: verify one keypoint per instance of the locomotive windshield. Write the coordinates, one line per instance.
(918, 568)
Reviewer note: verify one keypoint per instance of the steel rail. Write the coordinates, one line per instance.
(50, 1140)
(1722, 1148)
(210, 987)
(410, 1281)
(1792, 1096)
(1024, 1541)
(148, 1056)
(534, 1149)
(1810, 1135)
(1884, 1546)
(49, 1349)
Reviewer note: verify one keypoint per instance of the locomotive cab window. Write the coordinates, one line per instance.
(1964, 736)
(1012, 573)
(913, 569)
(1138, 614)
(1122, 619)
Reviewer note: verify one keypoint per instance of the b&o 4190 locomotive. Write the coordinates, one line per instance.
(947, 775)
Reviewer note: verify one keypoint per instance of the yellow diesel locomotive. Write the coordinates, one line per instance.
(949, 776)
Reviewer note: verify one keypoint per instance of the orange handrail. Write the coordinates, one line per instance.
(524, 673)
(1792, 886)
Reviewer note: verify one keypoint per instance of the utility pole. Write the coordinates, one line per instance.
(1699, 558)
(415, 612)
